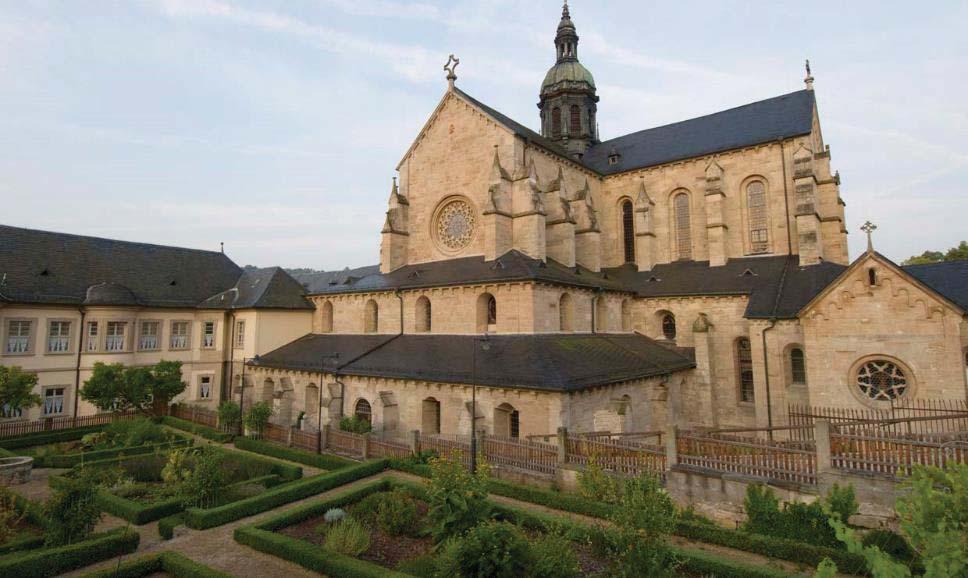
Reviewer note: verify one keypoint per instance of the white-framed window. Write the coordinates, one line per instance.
(148, 338)
(58, 336)
(208, 335)
(18, 336)
(240, 333)
(8, 412)
(179, 335)
(114, 336)
(92, 329)
(205, 387)
(53, 400)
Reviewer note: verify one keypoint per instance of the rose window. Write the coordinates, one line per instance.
(455, 225)
(881, 380)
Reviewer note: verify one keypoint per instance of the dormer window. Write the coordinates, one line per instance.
(614, 157)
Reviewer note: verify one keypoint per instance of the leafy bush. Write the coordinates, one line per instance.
(167, 525)
(457, 499)
(394, 512)
(644, 519)
(425, 565)
(493, 549)
(11, 515)
(595, 484)
(229, 415)
(258, 417)
(348, 536)
(890, 543)
(321, 461)
(553, 556)
(934, 518)
(354, 424)
(197, 474)
(199, 430)
(334, 515)
(797, 520)
(71, 512)
(134, 432)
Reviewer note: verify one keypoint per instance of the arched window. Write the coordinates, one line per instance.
(430, 418)
(626, 315)
(669, 326)
(575, 127)
(798, 366)
(507, 421)
(744, 366)
(683, 226)
(871, 276)
(628, 231)
(758, 217)
(565, 313)
(556, 122)
(423, 315)
(601, 314)
(371, 317)
(326, 318)
(363, 411)
(486, 313)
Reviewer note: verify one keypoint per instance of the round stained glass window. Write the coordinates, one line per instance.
(881, 380)
(454, 226)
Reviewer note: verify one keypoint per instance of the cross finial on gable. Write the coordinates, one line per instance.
(869, 228)
(809, 79)
(451, 68)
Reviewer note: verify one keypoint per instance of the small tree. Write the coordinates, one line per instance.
(457, 499)
(72, 512)
(258, 417)
(10, 514)
(17, 389)
(229, 414)
(197, 474)
(643, 520)
(116, 387)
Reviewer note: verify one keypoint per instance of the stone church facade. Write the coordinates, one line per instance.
(693, 274)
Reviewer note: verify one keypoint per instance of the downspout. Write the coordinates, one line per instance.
(77, 364)
(786, 198)
(227, 384)
(766, 358)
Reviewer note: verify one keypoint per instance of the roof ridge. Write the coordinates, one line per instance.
(139, 243)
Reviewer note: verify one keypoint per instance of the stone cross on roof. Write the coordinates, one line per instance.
(869, 228)
(451, 68)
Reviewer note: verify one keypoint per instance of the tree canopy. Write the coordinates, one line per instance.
(113, 386)
(17, 388)
(954, 254)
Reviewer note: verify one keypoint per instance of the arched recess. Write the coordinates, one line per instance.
(371, 317)
(507, 421)
(626, 315)
(681, 225)
(486, 313)
(282, 402)
(601, 314)
(566, 313)
(423, 314)
(311, 407)
(795, 360)
(326, 317)
(668, 329)
(556, 122)
(363, 410)
(628, 230)
(430, 416)
(745, 380)
(268, 389)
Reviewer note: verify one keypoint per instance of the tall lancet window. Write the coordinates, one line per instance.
(575, 128)
(628, 231)
(556, 122)
(683, 225)
(756, 206)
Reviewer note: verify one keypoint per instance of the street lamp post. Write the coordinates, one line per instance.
(485, 346)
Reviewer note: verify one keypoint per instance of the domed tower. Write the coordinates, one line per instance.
(568, 101)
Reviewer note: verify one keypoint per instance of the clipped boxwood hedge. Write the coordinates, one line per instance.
(45, 562)
(166, 525)
(78, 458)
(287, 472)
(201, 519)
(171, 562)
(49, 437)
(321, 461)
(199, 430)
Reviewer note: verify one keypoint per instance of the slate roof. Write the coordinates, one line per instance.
(548, 362)
(950, 279)
(58, 268)
(512, 266)
(759, 278)
(270, 288)
(760, 122)
(319, 281)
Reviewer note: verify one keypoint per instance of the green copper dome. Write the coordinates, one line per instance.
(567, 71)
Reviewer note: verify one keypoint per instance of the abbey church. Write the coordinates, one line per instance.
(694, 274)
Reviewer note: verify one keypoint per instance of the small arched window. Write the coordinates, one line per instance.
(507, 421)
(371, 317)
(872, 277)
(628, 231)
(575, 127)
(430, 419)
(326, 318)
(683, 226)
(363, 411)
(486, 312)
(758, 217)
(669, 326)
(565, 313)
(423, 315)
(744, 367)
(798, 366)
(556, 122)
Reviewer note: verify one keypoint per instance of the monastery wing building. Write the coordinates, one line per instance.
(694, 274)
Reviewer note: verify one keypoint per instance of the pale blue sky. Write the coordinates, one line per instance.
(275, 125)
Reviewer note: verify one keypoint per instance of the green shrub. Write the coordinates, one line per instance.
(167, 525)
(321, 461)
(644, 518)
(197, 476)
(199, 430)
(348, 537)
(71, 512)
(201, 519)
(229, 415)
(457, 498)
(45, 562)
(890, 543)
(171, 563)
(493, 549)
(75, 459)
(134, 432)
(394, 512)
(44, 438)
(842, 501)
(425, 565)
(797, 520)
(11, 514)
(553, 556)
(596, 484)
(258, 417)
(354, 424)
